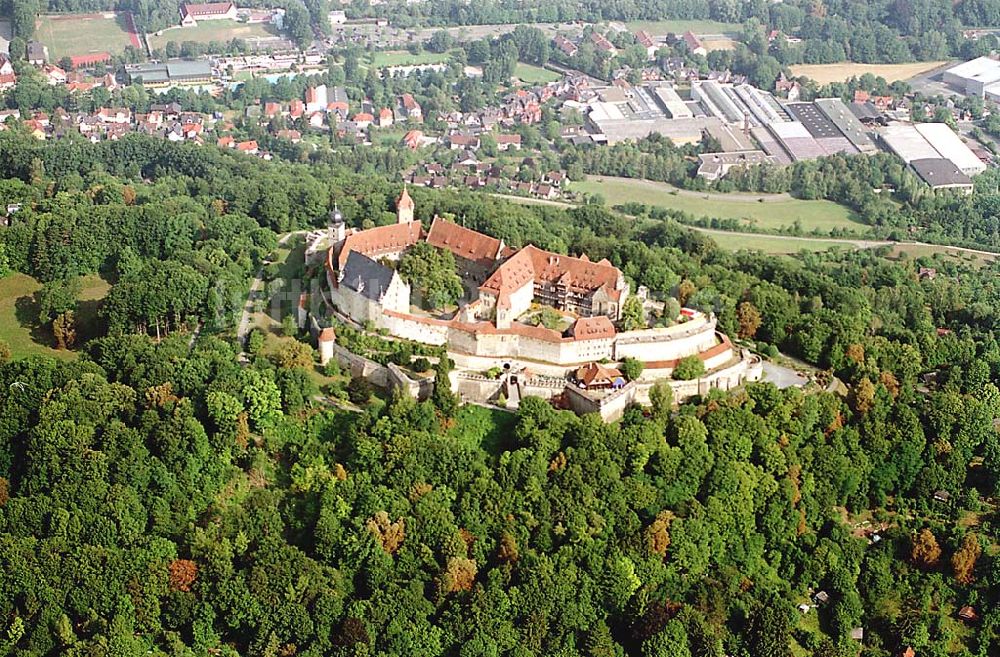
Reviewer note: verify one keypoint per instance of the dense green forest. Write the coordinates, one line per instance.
(158, 497)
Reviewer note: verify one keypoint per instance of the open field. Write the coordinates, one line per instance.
(679, 27)
(206, 31)
(826, 73)
(777, 212)
(404, 58)
(922, 250)
(723, 43)
(775, 244)
(530, 74)
(19, 315)
(83, 34)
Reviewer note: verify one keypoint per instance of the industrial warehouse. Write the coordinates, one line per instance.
(753, 127)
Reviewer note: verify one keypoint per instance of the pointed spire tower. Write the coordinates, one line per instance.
(404, 207)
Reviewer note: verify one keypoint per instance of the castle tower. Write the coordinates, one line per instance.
(337, 229)
(404, 207)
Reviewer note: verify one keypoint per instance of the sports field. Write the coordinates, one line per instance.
(208, 31)
(530, 74)
(826, 73)
(776, 213)
(19, 315)
(83, 34)
(385, 58)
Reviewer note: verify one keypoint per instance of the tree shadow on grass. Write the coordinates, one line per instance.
(26, 313)
(88, 324)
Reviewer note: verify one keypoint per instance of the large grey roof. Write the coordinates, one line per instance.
(364, 275)
(939, 172)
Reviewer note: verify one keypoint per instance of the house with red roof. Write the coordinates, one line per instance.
(412, 139)
(385, 117)
(248, 147)
(410, 109)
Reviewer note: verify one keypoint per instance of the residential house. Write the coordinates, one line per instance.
(410, 109)
(507, 142)
(316, 98)
(296, 109)
(363, 119)
(602, 44)
(293, 136)
(645, 39)
(53, 74)
(694, 44)
(114, 115)
(225, 142)
(272, 110)
(248, 147)
(460, 141)
(385, 117)
(567, 47)
(38, 53)
(412, 139)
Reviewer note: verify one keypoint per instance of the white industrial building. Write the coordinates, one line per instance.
(675, 107)
(905, 140)
(951, 147)
(934, 152)
(977, 77)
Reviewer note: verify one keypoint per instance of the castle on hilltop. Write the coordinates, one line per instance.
(505, 289)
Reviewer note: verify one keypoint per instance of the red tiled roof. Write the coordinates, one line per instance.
(327, 335)
(595, 373)
(405, 202)
(247, 145)
(592, 328)
(380, 240)
(693, 42)
(508, 139)
(206, 9)
(644, 39)
(408, 102)
(463, 242)
(511, 276)
(363, 116)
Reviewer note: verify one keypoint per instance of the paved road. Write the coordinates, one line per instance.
(257, 285)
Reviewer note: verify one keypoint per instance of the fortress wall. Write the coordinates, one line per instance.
(411, 329)
(655, 346)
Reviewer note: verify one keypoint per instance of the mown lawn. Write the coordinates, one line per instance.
(531, 74)
(775, 244)
(19, 315)
(405, 58)
(775, 214)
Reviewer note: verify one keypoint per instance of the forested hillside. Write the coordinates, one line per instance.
(158, 497)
